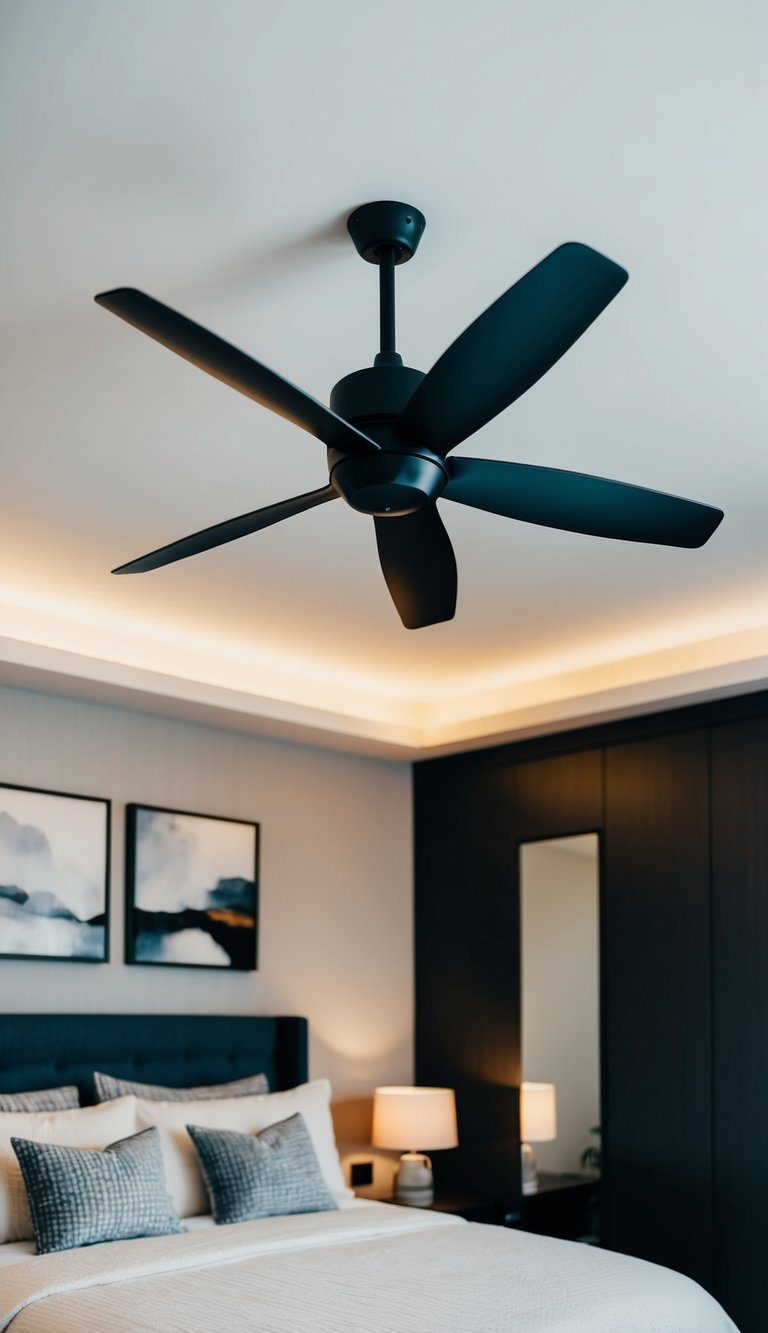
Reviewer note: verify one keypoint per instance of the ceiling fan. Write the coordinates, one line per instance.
(390, 428)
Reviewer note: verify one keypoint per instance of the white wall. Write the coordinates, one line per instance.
(335, 937)
(561, 986)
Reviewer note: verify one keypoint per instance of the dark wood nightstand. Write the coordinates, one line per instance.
(565, 1206)
(470, 1206)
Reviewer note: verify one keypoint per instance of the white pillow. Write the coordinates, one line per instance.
(82, 1127)
(248, 1115)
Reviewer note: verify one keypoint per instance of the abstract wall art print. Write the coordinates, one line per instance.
(191, 890)
(54, 875)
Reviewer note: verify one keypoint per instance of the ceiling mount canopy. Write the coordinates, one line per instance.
(389, 428)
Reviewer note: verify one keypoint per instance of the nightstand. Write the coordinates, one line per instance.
(470, 1206)
(566, 1207)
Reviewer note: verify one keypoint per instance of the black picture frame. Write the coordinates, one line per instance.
(52, 867)
(228, 923)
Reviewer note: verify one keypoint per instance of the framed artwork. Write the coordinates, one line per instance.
(191, 896)
(54, 875)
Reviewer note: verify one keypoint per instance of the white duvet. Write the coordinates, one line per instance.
(369, 1268)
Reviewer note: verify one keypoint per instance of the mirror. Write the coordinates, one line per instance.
(560, 999)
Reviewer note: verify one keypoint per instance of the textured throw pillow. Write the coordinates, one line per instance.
(248, 1115)
(107, 1088)
(84, 1127)
(48, 1099)
(78, 1196)
(264, 1175)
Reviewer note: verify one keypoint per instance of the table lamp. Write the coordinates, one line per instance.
(538, 1124)
(414, 1118)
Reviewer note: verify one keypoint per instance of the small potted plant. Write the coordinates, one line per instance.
(590, 1158)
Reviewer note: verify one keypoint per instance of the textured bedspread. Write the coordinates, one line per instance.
(373, 1270)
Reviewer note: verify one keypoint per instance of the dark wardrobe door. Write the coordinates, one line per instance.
(467, 945)
(470, 816)
(740, 960)
(657, 993)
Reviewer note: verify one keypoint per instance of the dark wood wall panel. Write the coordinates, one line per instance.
(681, 799)
(467, 927)
(469, 820)
(656, 984)
(553, 798)
(740, 963)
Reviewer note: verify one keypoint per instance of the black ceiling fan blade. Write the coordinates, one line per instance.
(419, 566)
(509, 347)
(577, 502)
(228, 531)
(233, 367)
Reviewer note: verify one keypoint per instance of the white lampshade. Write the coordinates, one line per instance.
(414, 1118)
(538, 1112)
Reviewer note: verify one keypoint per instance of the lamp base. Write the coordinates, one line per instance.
(414, 1183)
(528, 1171)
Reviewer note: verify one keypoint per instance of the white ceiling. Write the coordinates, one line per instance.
(208, 154)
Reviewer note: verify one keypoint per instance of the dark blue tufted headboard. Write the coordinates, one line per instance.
(48, 1050)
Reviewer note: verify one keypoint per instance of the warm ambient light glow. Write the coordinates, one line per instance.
(188, 652)
(414, 1118)
(538, 1112)
(112, 651)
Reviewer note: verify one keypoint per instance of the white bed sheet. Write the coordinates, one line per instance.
(370, 1268)
(16, 1251)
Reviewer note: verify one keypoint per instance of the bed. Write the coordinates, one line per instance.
(363, 1266)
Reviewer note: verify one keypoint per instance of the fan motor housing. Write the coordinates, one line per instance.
(388, 484)
(375, 393)
(397, 480)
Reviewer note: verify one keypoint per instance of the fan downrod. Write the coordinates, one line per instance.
(385, 234)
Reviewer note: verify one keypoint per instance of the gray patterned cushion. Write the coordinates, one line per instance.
(79, 1196)
(261, 1175)
(49, 1099)
(108, 1088)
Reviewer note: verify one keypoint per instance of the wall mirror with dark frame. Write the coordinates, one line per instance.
(560, 1035)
